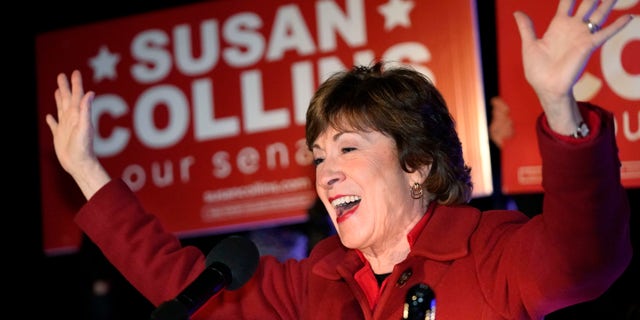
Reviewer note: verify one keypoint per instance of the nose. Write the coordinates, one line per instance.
(328, 174)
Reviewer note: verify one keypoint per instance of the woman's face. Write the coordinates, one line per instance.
(363, 187)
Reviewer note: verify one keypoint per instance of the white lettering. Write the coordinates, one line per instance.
(221, 166)
(162, 174)
(248, 160)
(119, 139)
(210, 51)
(289, 32)
(159, 179)
(256, 119)
(411, 53)
(272, 151)
(330, 18)
(154, 60)
(162, 115)
(240, 30)
(206, 125)
(626, 126)
(134, 176)
(303, 88)
(185, 168)
(178, 117)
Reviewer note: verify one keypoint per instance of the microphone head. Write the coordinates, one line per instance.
(240, 255)
(419, 303)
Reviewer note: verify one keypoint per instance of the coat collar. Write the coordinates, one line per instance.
(446, 236)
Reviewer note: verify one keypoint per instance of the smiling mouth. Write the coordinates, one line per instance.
(343, 204)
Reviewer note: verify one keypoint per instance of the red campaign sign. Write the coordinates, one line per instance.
(611, 80)
(201, 108)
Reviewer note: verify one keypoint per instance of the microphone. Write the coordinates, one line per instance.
(420, 303)
(230, 264)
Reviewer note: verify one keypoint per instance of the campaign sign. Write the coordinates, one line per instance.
(200, 109)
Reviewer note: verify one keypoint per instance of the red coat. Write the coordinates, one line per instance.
(482, 265)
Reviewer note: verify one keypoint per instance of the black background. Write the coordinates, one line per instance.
(60, 287)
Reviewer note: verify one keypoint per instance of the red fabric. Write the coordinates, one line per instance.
(365, 276)
(590, 117)
(481, 265)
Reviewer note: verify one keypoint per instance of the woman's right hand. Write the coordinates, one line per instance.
(73, 134)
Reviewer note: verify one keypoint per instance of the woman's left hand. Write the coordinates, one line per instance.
(553, 63)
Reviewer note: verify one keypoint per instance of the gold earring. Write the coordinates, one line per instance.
(416, 191)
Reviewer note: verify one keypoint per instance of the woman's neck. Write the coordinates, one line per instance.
(383, 260)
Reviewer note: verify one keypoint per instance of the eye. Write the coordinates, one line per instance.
(348, 149)
(317, 161)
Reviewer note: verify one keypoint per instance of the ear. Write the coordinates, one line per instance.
(421, 174)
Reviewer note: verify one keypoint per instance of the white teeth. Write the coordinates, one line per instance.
(344, 200)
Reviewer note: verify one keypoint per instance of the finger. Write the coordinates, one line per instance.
(87, 99)
(62, 94)
(586, 9)
(609, 31)
(565, 7)
(58, 98)
(85, 109)
(51, 122)
(601, 13)
(525, 26)
(76, 82)
(63, 85)
(77, 91)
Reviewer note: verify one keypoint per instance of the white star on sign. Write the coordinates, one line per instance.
(396, 12)
(104, 64)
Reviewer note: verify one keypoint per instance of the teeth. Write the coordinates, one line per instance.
(344, 200)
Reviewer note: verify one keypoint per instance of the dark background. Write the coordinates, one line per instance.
(61, 287)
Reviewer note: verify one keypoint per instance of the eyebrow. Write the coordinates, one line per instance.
(334, 138)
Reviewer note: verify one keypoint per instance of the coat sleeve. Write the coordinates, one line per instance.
(154, 261)
(578, 246)
(581, 243)
(588, 222)
(135, 242)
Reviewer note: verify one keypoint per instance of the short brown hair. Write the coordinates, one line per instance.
(403, 104)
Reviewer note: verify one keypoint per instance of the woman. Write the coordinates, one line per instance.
(391, 175)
